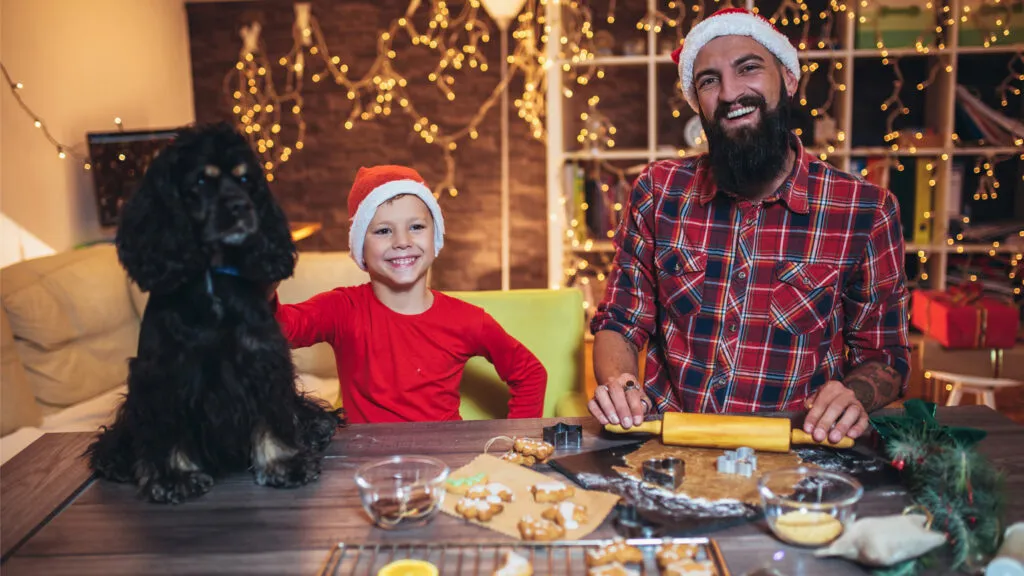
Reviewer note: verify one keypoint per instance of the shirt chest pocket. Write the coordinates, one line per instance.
(803, 296)
(681, 280)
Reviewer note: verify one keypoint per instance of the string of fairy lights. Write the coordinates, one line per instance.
(455, 37)
(62, 150)
(272, 113)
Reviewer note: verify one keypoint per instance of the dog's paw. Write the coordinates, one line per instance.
(177, 487)
(289, 473)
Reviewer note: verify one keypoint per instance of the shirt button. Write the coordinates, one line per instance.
(677, 268)
(733, 328)
(742, 275)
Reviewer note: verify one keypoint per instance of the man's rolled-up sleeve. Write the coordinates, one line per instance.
(628, 306)
(876, 300)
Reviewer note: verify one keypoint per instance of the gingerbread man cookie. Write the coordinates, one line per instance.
(533, 528)
(615, 551)
(539, 449)
(461, 484)
(689, 568)
(517, 458)
(670, 553)
(613, 569)
(568, 515)
(553, 491)
(474, 509)
(514, 565)
(492, 492)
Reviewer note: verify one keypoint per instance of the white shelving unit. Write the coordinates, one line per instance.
(941, 97)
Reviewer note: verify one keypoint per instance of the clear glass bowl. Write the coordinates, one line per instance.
(809, 506)
(402, 491)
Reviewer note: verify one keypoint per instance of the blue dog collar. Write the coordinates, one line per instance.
(226, 270)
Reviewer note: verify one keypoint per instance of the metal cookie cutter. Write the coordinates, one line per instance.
(665, 472)
(742, 462)
(564, 436)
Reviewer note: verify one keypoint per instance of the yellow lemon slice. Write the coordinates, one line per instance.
(408, 568)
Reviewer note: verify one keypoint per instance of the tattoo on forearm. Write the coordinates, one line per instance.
(874, 384)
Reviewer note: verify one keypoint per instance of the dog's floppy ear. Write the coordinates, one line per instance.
(155, 239)
(271, 256)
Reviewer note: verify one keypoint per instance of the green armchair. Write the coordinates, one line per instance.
(548, 322)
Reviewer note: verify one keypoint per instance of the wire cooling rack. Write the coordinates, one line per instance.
(483, 559)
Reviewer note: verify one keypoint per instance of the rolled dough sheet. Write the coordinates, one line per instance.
(702, 477)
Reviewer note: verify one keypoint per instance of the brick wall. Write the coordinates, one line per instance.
(313, 185)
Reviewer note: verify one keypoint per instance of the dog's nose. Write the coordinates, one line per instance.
(237, 206)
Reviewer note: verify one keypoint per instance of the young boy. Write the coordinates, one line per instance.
(401, 347)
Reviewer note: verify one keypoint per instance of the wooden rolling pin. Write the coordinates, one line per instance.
(727, 432)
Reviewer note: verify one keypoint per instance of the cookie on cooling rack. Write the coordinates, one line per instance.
(613, 569)
(615, 551)
(513, 564)
(669, 553)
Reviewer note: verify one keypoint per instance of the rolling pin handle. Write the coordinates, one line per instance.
(649, 427)
(798, 436)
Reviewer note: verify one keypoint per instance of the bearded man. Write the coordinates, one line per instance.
(759, 278)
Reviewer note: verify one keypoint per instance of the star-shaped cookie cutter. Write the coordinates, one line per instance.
(665, 472)
(564, 436)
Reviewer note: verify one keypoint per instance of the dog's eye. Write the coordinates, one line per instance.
(244, 178)
(201, 181)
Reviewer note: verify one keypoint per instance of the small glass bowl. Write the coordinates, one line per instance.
(809, 506)
(402, 491)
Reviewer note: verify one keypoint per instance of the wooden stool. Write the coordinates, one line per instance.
(978, 385)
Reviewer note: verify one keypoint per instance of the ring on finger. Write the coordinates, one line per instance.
(631, 385)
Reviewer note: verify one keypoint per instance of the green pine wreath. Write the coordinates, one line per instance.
(947, 476)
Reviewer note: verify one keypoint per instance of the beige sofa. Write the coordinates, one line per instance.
(71, 321)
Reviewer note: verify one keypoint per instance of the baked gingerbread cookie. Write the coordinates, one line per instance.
(459, 485)
(669, 553)
(517, 458)
(534, 528)
(689, 568)
(568, 515)
(615, 551)
(613, 569)
(477, 509)
(513, 564)
(539, 449)
(551, 492)
(492, 492)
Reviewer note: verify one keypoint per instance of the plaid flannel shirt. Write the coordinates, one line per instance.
(749, 306)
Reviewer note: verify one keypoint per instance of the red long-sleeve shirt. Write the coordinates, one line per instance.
(407, 368)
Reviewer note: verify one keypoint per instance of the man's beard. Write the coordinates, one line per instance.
(747, 158)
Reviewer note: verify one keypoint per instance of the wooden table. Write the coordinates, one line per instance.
(55, 519)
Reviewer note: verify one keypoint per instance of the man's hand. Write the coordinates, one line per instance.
(834, 412)
(620, 400)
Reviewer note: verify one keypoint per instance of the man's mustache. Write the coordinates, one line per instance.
(749, 100)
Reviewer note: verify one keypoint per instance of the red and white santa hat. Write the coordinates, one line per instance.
(731, 22)
(375, 186)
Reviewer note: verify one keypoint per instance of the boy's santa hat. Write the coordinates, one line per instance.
(731, 22)
(375, 186)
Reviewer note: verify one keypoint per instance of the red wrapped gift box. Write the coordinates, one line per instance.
(964, 318)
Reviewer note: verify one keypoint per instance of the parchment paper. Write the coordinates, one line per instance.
(519, 479)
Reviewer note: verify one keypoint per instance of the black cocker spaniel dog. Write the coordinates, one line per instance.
(212, 389)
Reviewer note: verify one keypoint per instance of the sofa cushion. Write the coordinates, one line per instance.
(550, 323)
(317, 272)
(18, 406)
(73, 322)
